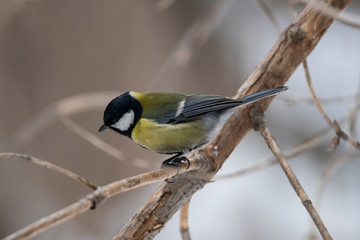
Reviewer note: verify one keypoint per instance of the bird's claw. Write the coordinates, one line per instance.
(175, 162)
(170, 180)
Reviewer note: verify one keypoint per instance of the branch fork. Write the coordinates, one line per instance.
(257, 119)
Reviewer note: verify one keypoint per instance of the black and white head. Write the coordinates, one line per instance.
(122, 114)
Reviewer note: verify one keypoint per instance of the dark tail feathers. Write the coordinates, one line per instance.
(260, 95)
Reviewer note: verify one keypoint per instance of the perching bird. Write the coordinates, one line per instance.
(172, 123)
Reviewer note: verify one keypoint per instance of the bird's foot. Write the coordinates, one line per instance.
(175, 161)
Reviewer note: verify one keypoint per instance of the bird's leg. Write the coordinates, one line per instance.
(176, 160)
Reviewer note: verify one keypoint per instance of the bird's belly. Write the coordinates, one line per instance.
(169, 138)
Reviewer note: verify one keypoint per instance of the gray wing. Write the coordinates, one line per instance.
(197, 105)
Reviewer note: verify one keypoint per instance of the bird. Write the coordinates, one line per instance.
(173, 123)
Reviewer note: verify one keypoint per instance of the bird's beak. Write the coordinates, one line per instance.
(103, 127)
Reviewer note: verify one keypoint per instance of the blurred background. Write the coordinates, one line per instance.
(54, 49)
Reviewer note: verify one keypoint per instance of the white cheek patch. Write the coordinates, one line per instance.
(180, 108)
(125, 121)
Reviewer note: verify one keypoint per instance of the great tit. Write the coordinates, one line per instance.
(172, 123)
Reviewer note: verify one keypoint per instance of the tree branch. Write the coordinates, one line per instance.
(331, 167)
(92, 200)
(293, 46)
(333, 124)
(257, 118)
(347, 18)
(184, 222)
(304, 146)
(50, 166)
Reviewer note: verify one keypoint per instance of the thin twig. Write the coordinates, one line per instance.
(257, 119)
(93, 200)
(105, 147)
(50, 166)
(340, 159)
(292, 100)
(333, 124)
(193, 38)
(304, 146)
(184, 224)
(346, 18)
(330, 169)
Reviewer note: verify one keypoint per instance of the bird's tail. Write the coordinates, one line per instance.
(260, 95)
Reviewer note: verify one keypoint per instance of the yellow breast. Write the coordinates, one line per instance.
(168, 138)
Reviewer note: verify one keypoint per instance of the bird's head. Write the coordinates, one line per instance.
(122, 114)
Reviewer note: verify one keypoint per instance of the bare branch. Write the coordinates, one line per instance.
(293, 46)
(346, 18)
(184, 225)
(304, 146)
(333, 124)
(330, 169)
(105, 147)
(340, 159)
(292, 100)
(91, 201)
(257, 118)
(298, 40)
(334, 143)
(52, 220)
(50, 166)
(167, 200)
